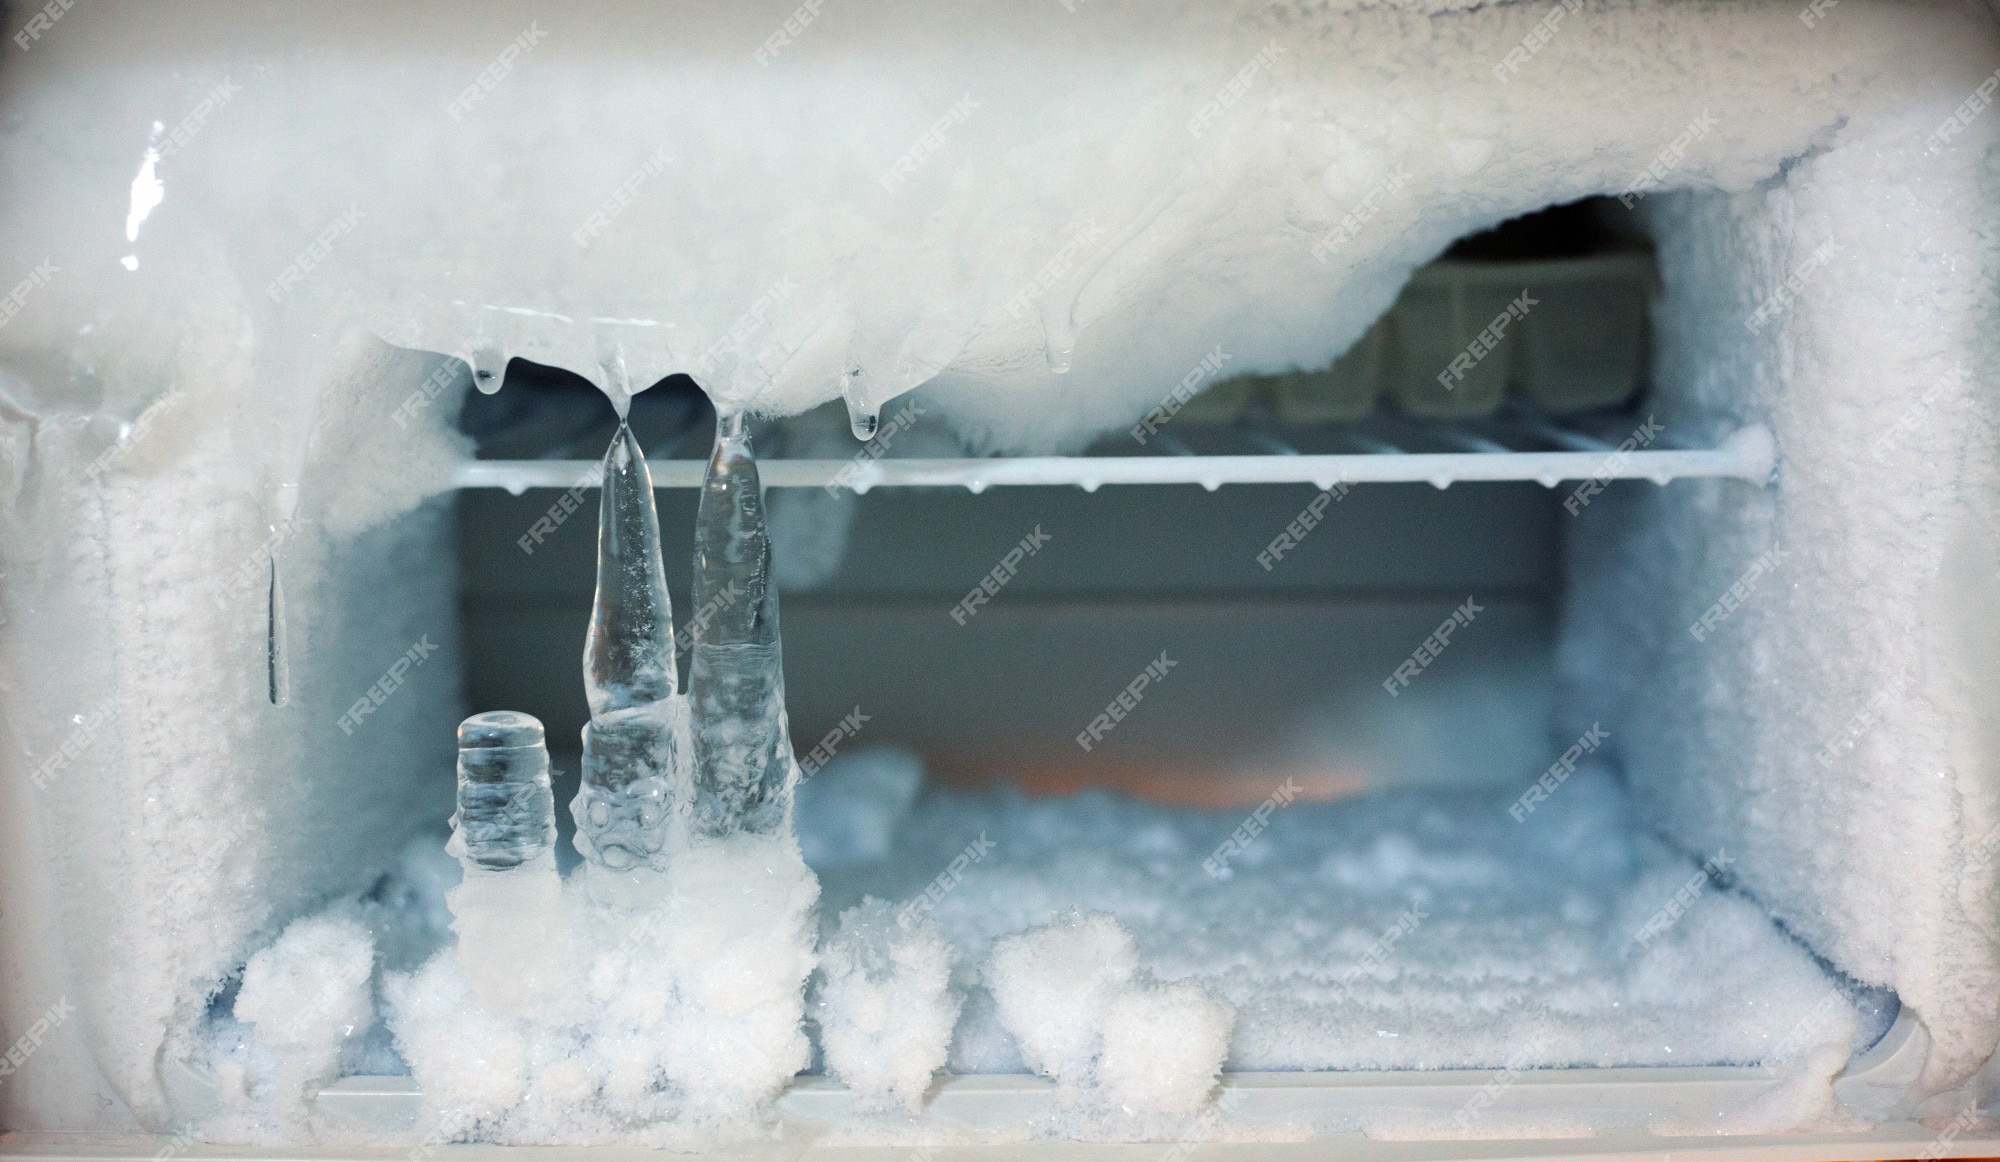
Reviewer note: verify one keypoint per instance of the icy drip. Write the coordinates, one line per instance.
(489, 367)
(736, 681)
(862, 415)
(633, 746)
(507, 908)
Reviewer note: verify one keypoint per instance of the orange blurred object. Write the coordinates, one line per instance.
(1155, 782)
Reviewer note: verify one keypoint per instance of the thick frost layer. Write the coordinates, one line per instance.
(1163, 1048)
(510, 935)
(310, 988)
(1072, 995)
(1264, 175)
(1052, 986)
(989, 187)
(678, 1023)
(1830, 720)
(302, 997)
(886, 1007)
(1394, 932)
(1413, 931)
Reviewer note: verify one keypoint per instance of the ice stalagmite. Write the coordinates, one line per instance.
(736, 681)
(633, 747)
(506, 815)
(507, 909)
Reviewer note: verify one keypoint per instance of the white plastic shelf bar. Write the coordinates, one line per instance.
(1571, 1115)
(1748, 454)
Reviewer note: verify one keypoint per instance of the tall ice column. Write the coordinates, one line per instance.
(635, 746)
(736, 680)
(507, 909)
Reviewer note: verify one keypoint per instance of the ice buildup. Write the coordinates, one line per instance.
(1405, 930)
(660, 1003)
(886, 1008)
(506, 814)
(302, 998)
(300, 313)
(1073, 996)
(736, 680)
(508, 907)
(1053, 984)
(636, 741)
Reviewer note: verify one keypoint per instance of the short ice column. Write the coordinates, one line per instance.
(507, 909)
(736, 680)
(635, 745)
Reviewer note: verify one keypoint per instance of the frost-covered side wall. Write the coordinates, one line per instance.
(161, 816)
(1828, 717)
(221, 199)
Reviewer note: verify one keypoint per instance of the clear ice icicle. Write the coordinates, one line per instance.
(628, 653)
(736, 680)
(633, 746)
(277, 659)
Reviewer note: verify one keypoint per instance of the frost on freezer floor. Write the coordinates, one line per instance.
(1401, 931)
(1102, 942)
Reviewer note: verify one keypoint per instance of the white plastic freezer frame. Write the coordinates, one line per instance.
(1617, 1114)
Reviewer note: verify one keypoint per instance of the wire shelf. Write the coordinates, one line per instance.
(1486, 453)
